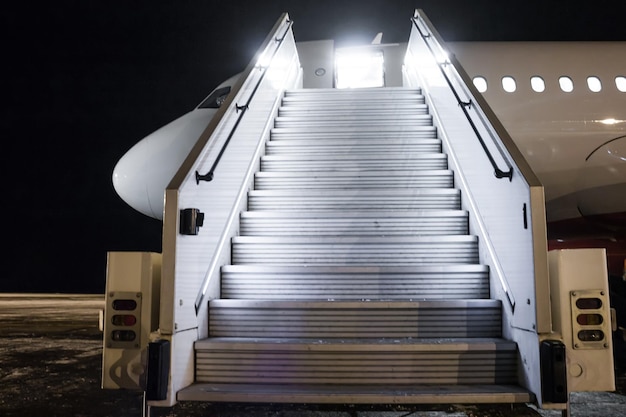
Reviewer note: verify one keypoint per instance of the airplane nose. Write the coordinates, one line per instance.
(132, 181)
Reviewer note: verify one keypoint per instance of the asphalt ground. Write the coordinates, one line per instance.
(51, 362)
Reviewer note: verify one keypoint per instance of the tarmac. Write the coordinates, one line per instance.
(50, 365)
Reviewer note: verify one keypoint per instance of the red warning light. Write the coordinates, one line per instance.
(589, 319)
(124, 320)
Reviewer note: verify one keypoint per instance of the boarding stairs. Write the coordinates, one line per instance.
(354, 278)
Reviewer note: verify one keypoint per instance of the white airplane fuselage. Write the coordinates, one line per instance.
(575, 141)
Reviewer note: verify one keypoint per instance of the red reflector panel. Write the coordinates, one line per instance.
(591, 335)
(589, 319)
(124, 320)
(125, 305)
(123, 335)
(589, 303)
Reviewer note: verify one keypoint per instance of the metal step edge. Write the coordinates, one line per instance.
(353, 110)
(353, 305)
(392, 128)
(352, 180)
(381, 98)
(404, 173)
(358, 156)
(356, 394)
(352, 118)
(354, 240)
(356, 269)
(324, 151)
(354, 142)
(356, 215)
(343, 95)
(376, 125)
(369, 194)
(327, 102)
(357, 345)
(332, 90)
(295, 202)
(354, 145)
(354, 165)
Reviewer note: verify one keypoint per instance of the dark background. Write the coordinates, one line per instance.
(85, 80)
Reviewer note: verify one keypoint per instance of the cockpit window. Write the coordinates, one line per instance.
(216, 99)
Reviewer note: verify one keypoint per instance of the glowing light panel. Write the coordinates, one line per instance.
(360, 68)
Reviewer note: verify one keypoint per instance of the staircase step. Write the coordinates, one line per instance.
(361, 95)
(356, 361)
(354, 223)
(357, 282)
(358, 200)
(355, 179)
(335, 92)
(354, 319)
(359, 109)
(380, 97)
(356, 394)
(355, 250)
(361, 161)
(323, 147)
(361, 132)
(370, 122)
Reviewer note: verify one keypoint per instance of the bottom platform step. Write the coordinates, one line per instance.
(356, 394)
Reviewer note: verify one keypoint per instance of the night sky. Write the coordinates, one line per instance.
(88, 79)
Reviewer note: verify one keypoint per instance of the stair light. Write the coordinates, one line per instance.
(359, 68)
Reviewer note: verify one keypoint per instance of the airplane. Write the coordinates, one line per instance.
(563, 103)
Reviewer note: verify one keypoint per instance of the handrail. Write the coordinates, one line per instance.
(499, 173)
(209, 175)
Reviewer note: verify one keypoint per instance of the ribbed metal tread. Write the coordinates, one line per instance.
(354, 223)
(356, 394)
(380, 96)
(359, 200)
(322, 147)
(354, 179)
(304, 92)
(356, 282)
(356, 361)
(363, 122)
(400, 250)
(361, 161)
(354, 110)
(361, 132)
(355, 319)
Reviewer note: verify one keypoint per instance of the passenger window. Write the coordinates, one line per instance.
(594, 84)
(480, 83)
(508, 84)
(537, 84)
(566, 84)
(620, 83)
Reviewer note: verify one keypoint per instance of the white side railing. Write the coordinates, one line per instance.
(504, 197)
(214, 180)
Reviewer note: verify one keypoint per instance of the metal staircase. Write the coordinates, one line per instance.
(354, 278)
